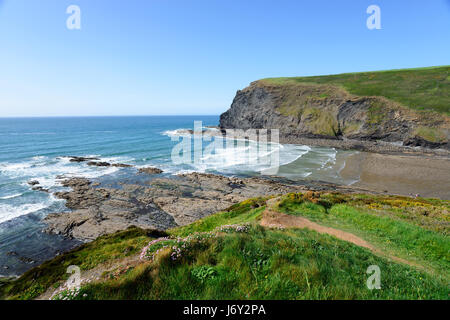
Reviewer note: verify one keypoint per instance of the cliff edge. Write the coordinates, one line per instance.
(404, 107)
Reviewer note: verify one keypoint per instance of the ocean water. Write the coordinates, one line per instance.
(38, 149)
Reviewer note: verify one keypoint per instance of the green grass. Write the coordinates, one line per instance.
(376, 113)
(269, 264)
(420, 89)
(431, 134)
(395, 235)
(246, 211)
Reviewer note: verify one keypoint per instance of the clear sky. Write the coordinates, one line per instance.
(167, 57)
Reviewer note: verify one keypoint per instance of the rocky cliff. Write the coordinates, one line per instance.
(325, 111)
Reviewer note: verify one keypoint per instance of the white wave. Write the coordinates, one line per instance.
(211, 128)
(179, 172)
(330, 159)
(11, 196)
(248, 156)
(119, 159)
(293, 153)
(68, 158)
(11, 167)
(240, 154)
(8, 212)
(185, 132)
(45, 170)
(290, 154)
(91, 174)
(176, 133)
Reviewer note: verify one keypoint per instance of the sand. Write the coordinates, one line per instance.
(399, 174)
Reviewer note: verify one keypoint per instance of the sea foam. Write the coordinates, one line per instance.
(8, 212)
(47, 171)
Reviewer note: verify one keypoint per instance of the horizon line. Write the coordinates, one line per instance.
(110, 116)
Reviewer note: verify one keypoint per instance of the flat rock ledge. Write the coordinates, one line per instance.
(160, 204)
(150, 170)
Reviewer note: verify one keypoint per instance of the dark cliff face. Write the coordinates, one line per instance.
(250, 109)
(322, 111)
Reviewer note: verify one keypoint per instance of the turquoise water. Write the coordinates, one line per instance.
(37, 149)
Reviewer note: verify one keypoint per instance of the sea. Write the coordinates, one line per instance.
(40, 149)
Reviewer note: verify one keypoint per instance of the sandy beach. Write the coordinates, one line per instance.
(400, 174)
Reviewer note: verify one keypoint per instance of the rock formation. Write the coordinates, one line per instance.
(325, 112)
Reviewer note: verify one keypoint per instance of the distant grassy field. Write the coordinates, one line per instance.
(209, 259)
(420, 89)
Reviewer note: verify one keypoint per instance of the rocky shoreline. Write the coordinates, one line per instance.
(380, 147)
(156, 201)
(161, 202)
(150, 199)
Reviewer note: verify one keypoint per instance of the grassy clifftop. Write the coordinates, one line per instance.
(235, 255)
(419, 89)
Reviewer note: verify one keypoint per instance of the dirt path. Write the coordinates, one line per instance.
(273, 218)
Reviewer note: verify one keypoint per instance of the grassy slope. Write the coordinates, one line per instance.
(416, 230)
(53, 272)
(419, 89)
(274, 264)
(268, 264)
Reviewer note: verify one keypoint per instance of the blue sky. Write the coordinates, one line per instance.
(168, 57)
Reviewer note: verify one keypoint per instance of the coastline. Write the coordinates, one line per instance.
(379, 166)
(169, 201)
